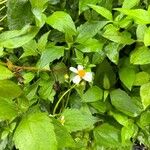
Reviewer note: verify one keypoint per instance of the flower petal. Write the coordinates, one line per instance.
(88, 76)
(73, 69)
(80, 67)
(76, 79)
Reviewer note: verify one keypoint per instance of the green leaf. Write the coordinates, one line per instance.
(63, 137)
(147, 37)
(121, 100)
(8, 110)
(112, 52)
(145, 94)
(140, 56)
(9, 89)
(93, 94)
(83, 4)
(140, 31)
(102, 11)
(43, 41)
(141, 78)
(28, 77)
(90, 45)
(127, 76)
(107, 135)
(130, 4)
(89, 30)
(50, 54)
(17, 38)
(30, 49)
(76, 120)
(5, 73)
(16, 17)
(145, 119)
(62, 21)
(112, 33)
(140, 16)
(35, 132)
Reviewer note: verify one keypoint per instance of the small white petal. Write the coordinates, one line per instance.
(88, 76)
(76, 79)
(73, 69)
(80, 67)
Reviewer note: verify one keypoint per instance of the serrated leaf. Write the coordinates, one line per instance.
(141, 78)
(130, 4)
(145, 95)
(5, 73)
(50, 54)
(76, 120)
(147, 37)
(140, 16)
(93, 94)
(16, 17)
(90, 45)
(89, 30)
(17, 38)
(107, 135)
(9, 89)
(102, 11)
(127, 76)
(112, 33)
(140, 56)
(121, 100)
(62, 21)
(35, 132)
(8, 110)
(63, 137)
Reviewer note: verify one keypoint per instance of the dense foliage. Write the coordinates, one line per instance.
(42, 107)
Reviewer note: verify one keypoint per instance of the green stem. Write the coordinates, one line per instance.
(55, 108)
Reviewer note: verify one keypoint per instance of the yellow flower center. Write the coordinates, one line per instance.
(81, 73)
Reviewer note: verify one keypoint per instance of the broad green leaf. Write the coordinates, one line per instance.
(9, 89)
(62, 21)
(89, 30)
(35, 132)
(141, 78)
(121, 100)
(90, 45)
(102, 11)
(18, 14)
(128, 132)
(107, 135)
(76, 120)
(93, 94)
(38, 4)
(147, 37)
(83, 4)
(100, 106)
(5, 73)
(8, 110)
(140, 31)
(145, 94)
(112, 52)
(17, 38)
(130, 4)
(28, 77)
(43, 41)
(50, 54)
(140, 16)
(63, 137)
(30, 49)
(145, 118)
(112, 33)
(140, 56)
(127, 76)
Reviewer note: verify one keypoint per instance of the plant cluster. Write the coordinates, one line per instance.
(74, 74)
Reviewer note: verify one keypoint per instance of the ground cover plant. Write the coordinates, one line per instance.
(74, 74)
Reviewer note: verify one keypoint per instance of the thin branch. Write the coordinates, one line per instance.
(3, 2)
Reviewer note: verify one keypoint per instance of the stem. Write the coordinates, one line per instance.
(3, 18)
(2, 8)
(55, 108)
(3, 2)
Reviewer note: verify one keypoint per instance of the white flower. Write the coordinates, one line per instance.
(81, 74)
